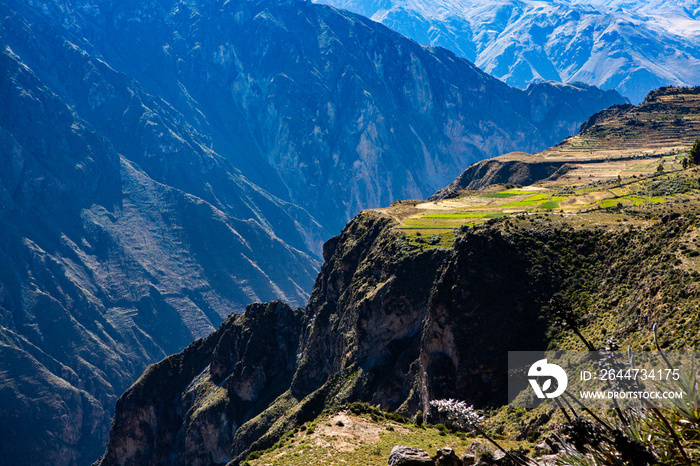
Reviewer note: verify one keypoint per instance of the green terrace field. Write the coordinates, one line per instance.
(599, 202)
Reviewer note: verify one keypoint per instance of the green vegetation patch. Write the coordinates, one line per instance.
(467, 215)
(429, 225)
(543, 200)
(539, 197)
(525, 203)
(549, 205)
(508, 193)
(417, 240)
(631, 200)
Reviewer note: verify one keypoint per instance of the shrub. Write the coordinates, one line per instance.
(695, 153)
(667, 434)
(419, 418)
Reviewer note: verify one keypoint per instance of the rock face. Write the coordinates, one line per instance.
(614, 44)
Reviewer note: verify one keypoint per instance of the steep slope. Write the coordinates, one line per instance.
(632, 47)
(322, 108)
(398, 326)
(105, 270)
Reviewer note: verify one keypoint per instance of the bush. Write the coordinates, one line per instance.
(695, 153)
(419, 418)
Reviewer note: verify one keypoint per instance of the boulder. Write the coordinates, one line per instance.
(409, 456)
(447, 457)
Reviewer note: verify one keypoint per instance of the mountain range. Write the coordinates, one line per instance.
(167, 163)
(631, 46)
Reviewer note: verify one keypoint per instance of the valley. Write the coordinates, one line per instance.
(174, 173)
(168, 163)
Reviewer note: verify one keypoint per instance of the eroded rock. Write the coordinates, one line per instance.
(409, 456)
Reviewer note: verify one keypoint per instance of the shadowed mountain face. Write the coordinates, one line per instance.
(165, 164)
(321, 108)
(631, 46)
(105, 270)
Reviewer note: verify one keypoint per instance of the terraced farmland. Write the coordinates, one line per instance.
(617, 202)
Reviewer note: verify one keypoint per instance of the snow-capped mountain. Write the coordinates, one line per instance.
(632, 46)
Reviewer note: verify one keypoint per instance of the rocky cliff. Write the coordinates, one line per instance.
(397, 325)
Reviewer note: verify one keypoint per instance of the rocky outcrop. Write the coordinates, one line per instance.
(409, 456)
(190, 405)
(524, 171)
(447, 457)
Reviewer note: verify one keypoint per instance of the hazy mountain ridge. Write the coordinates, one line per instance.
(632, 47)
(347, 102)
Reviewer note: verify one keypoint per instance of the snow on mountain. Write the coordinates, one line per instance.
(632, 46)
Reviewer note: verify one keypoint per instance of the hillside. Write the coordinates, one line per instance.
(631, 46)
(423, 300)
(167, 163)
(621, 141)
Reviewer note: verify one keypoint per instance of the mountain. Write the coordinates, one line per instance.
(631, 46)
(423, 300)
(324, 109)
(168, 163)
